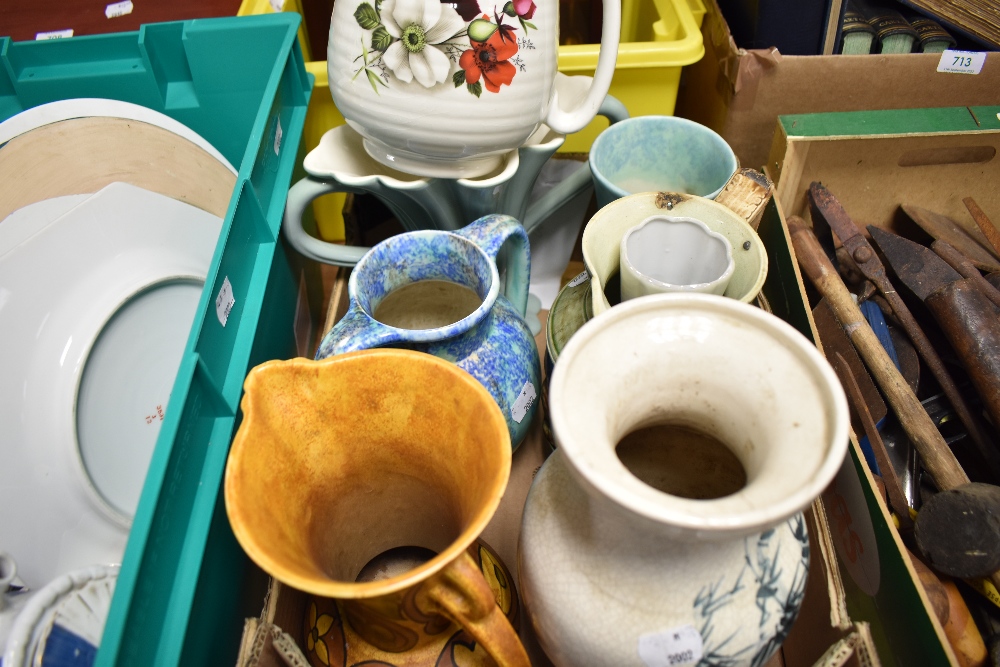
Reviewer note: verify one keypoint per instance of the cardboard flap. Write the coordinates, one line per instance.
(854, 650)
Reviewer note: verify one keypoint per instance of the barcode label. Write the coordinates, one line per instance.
(277, 138)
(225, 301)
(55, 34)
(583, 277)
(118, 9)
(523, 402)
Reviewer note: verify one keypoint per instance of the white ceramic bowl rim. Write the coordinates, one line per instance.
(725, 275)
(696, 517)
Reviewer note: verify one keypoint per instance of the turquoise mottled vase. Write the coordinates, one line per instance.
(493, 343)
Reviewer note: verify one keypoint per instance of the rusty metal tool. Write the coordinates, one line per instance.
(824, 234)
(835, 341)
(961, 263)
(827, 206)
(939, 461)
(900, 453)
(985, 224)
(969, 241)
(958, 531)
(893, 486)
(969, 320)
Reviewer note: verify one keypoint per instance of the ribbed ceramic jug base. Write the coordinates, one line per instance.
(425, 165)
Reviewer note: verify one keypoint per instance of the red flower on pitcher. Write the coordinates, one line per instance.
(487, 60)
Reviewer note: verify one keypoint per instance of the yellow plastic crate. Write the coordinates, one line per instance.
(658, 38)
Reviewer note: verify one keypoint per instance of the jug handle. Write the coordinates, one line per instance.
(551, 201)
(461, 592)
(497, 232)
(568, 122)
(299, 197)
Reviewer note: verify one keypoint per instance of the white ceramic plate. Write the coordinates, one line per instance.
(29, 220)
(87, 107)
(95, 312)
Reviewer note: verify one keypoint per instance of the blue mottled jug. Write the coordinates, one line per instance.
(492, 343)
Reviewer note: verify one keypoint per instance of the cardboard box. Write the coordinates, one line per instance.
(872, 162)
(740, 93)
(826, 633)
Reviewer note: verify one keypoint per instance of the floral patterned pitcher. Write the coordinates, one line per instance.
(444, 89)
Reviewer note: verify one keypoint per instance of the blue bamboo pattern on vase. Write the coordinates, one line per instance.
(777, 597)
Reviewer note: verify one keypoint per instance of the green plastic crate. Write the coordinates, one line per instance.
(235, 81)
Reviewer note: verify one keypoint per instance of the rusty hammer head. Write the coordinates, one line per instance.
(958, 531)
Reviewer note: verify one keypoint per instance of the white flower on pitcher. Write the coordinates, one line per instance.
(419, 29)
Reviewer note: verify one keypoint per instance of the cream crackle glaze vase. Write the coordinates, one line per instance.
(666, 529)
(446, 89)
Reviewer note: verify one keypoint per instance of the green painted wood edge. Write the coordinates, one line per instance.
(891, 121)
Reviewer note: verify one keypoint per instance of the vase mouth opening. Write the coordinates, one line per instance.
(433, 284)
(683, 458)
(704, 414)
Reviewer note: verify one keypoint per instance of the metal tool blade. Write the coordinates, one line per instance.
(968, 239)
(918, 267)
(856, 254)
(821, 228)
(824, 204)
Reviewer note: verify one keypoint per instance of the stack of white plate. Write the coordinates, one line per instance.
(110, 217)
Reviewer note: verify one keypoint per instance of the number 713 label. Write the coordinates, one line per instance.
(961, 62)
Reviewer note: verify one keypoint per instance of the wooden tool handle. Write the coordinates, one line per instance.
(938, 458)
(954, 615)
(961, 263)
(971, 323)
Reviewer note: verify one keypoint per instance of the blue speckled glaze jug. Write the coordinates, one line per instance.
(492, 343)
